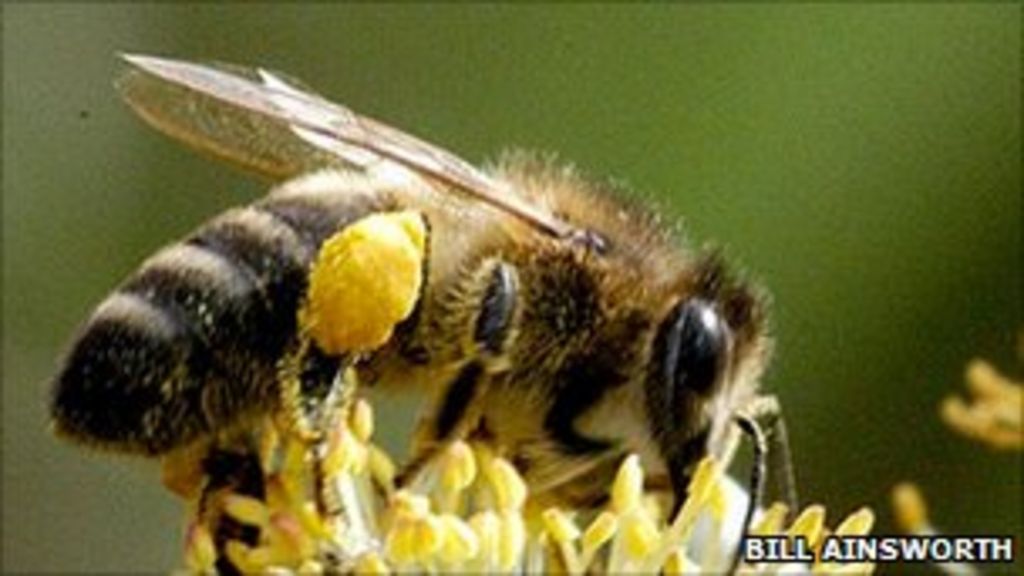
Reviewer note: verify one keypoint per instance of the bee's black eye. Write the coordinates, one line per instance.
(694, 340)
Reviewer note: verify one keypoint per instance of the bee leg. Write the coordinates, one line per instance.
(290, 417)
(335, 406)
(452, 419)
(494, 288)
(311, 392)
(316, 390)
(182, 471)
(230, 471)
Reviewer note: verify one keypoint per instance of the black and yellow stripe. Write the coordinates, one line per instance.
(189, 343)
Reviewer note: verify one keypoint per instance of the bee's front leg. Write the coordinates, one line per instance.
(486, 308)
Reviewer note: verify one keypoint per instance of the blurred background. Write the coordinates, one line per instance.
(862, 162)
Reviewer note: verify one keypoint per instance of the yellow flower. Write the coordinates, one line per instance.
(994, 411)
(489, 527)
(911, 515)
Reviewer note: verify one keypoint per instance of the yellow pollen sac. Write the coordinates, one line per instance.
(429, 535)
(247, 510)
(703, 481)
(857, 524)
(487, 528)
(289, 539)
(911, 510)
(346, 453)
(628, 487)
(460, 542)
(312, 522)
(371, 564)
(362, 420)
(810, 524)
(458, 467)
(200, 553)
(509, 486)
(679, 564)
(365, 279)
(400, 543)
(246, 559)
(771, 521)
(600, 531)
(410, 505)
(705, 478)
(718, 502)
(512, 534)
(311, 567)
(640, 534)
(382, 468)
(560, 526)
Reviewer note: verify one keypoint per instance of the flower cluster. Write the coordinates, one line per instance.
(469, 511)
(994, 414)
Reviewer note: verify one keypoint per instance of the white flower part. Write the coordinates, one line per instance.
(714, 543)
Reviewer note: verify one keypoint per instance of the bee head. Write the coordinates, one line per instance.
(707, 352)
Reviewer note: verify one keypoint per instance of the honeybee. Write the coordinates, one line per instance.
(559, 321)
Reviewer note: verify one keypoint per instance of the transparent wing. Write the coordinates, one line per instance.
(257, 142)
(268, 124)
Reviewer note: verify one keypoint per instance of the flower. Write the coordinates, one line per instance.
(469, 511)
(994, 411)
(993, 415)
(911, 515)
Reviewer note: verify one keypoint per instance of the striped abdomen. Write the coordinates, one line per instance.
(189, 343)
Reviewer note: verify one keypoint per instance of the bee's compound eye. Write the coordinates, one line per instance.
(695, 342)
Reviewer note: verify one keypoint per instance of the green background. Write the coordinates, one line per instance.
(863, 162)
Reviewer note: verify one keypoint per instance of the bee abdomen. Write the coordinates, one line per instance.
(270, 259)
(190, 342)
(124, 381)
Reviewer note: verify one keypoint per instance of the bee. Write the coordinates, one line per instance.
(559, 321)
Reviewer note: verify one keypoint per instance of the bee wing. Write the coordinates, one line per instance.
(260, 143)
(268, 124)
